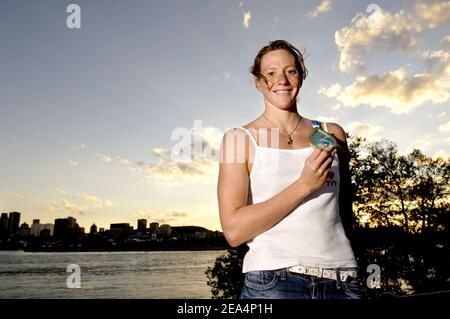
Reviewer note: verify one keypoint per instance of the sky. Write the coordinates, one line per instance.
(96, 101)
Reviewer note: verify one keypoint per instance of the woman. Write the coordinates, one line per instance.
(281, 196)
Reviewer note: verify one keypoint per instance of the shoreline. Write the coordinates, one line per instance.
(113, 250)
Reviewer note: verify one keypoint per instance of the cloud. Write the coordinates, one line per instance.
(103, 157)
(441, 115)
(122, 160)
(87, 201)
(97, 202)
(73, 163)
(200, 163)
(382, 30)
(327, 119)
(392, 32)
(331, 91)
(398, 90)
(246, 19)
(445, 127)
(324, 6)
(369, 131)
(160, 151)
(73, 208)
(445, 43)
(116, 158)
(174, 172)
(434, 13)
(144, 213)
(78, 147)
(227, 75)
(178, 214)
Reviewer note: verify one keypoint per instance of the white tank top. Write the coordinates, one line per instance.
(312, 234)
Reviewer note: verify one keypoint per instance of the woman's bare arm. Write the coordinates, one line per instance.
(242, 222)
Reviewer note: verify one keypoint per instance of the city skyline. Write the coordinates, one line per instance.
(88, 115)
(86, 227)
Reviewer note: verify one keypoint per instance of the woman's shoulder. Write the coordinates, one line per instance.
(244, 130)
(337, 130)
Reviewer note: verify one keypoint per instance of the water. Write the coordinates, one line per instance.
(156, 274)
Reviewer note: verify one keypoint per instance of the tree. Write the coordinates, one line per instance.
(392, 189)
(226, 278)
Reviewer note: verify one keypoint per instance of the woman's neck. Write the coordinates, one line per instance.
(285, 120)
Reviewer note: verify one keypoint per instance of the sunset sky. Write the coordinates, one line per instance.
(89, 117)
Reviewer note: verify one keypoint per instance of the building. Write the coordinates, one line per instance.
(4, 225)
(71, 222)
(191, 232)
(164, 230)
(35, 228)
(76, 231)
(48, 227)
(64, 228)
(13, 223)
(24, 231)
(142, 226)
(44, 233)
(153, 228)
(93, 230)
(120, 231)
(61, 228)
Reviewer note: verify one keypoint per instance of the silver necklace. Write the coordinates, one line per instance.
(290, 140)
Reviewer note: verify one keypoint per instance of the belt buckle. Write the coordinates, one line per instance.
(348, 273)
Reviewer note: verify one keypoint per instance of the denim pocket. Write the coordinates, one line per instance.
(261, 279)
(352, 288)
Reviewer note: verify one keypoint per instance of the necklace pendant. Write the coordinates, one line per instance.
(290, 140)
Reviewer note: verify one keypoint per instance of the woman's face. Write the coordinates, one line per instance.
(280, 80)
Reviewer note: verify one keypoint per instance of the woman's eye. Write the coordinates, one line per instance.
(292, 71)
(270, 73)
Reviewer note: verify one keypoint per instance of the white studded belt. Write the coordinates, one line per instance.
(323, 272)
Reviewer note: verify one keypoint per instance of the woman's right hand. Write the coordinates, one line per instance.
(316, 168)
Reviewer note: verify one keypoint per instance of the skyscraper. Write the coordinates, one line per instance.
(142, 226)
(61, 229)
(154, 228)
(4, 225)
(13, 223)
(36, 228)
(93, 230)
(71, 222)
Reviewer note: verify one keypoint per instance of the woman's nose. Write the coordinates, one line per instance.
(282, 79)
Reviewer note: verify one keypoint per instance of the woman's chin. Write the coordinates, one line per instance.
(284, 105)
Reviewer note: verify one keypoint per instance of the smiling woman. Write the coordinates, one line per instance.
(287, 201)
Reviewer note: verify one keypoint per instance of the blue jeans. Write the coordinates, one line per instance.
(282, 284)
